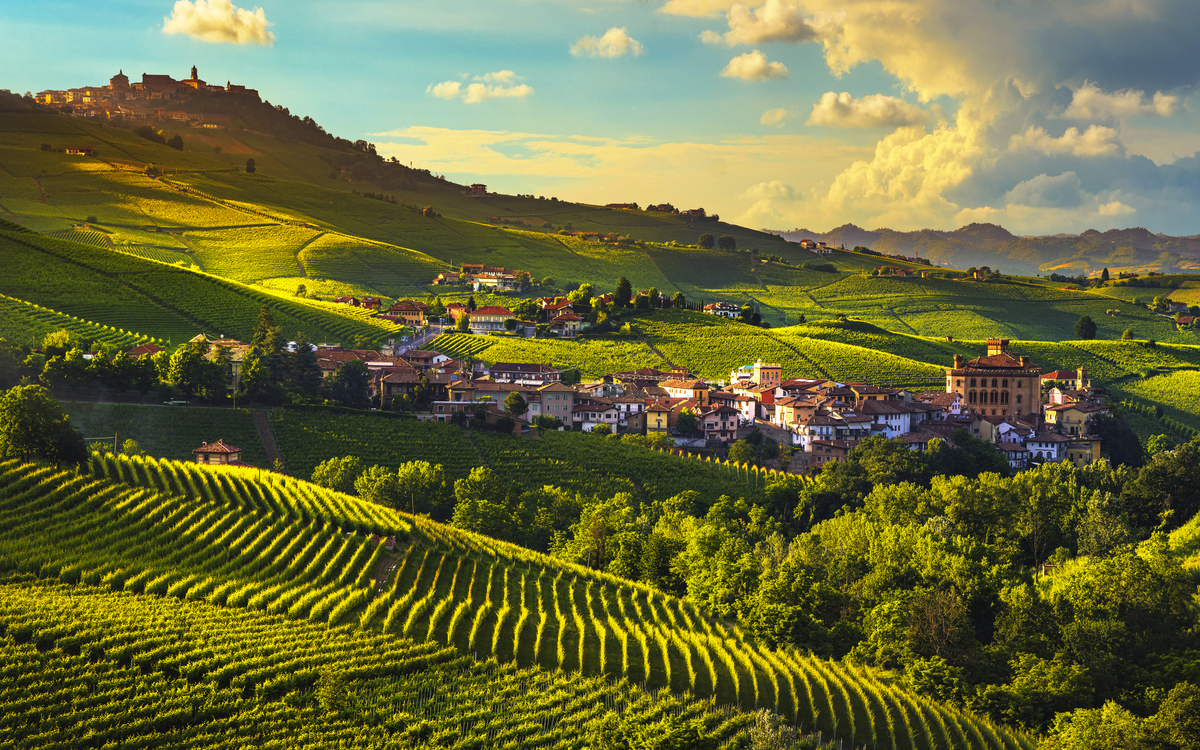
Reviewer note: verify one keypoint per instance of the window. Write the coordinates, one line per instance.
(1004, 384)
(972, 382)
(958, 383)
(993, 382)
(1018, 398)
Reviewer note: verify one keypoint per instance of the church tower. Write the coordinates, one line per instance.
(195, 77)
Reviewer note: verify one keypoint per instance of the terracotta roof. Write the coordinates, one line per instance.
(1059, 375)
(1002, 361)
(1012, 448)
(144, 349)
(492, 310)
(684, 384)
(217, 447)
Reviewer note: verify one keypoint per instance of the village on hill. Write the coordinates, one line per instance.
(156, 96)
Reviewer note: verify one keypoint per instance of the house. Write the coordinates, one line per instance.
(448, 278)
(807, 244)
(759, 373)
(893, 418)
(567, 325)
(1172, 306)
(983, 273)
(144, 350)
(352, 301)
(1083, 451)
(84, 151)
(658, 416)
(489, 318)
(456, 310)
(1047, 447)
(595, 412)
(423, 359)
(1016, 454)
(219, 454)
(723, 309)
(372, 303)
(827, 451)
(526, 374)
(410, 312)
(687, 389)
(1073, 419)
(476, 191)
(1185, 320)
(719, 424)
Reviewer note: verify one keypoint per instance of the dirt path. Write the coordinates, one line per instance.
(41, 190)
(262, 423)
(303, 245)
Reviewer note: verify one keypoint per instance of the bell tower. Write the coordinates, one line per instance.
(195, 77)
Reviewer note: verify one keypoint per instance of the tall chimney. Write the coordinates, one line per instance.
(958, 361)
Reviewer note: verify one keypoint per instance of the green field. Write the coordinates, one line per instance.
(591, 356)
(169, 431)
(167, 302)
(1178, 393)
(234, 547)
(23, 322)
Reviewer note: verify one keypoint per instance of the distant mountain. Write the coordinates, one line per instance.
(1135, 248)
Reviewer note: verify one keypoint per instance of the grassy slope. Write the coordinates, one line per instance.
(164, 301)
(281, 546)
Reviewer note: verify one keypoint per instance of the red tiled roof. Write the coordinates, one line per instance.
(217, 447)
(492, 310)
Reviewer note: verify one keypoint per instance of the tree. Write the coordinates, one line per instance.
(654, 297)
(33, 425)
(175, 142)
(471, 304)
(741, 452)
(1104, 276)
(705, 241)
(602, 429)
(379, 485)
(641, 303)
(350, 385)
(522, 280)
(268, 338)
(487, 504)
(1085, 328)
(1157, 444)
(548, 281)
(423, 485)
(624, 293)
(305, 370)
(249, 166)
(679, 301)
(338, 474)
(686, 423)
(1128, 335)
(515, 405)
(727, 243)
(463, 324)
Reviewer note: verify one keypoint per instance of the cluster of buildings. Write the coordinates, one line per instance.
(997, 398)
(142, 100)
(480, 277)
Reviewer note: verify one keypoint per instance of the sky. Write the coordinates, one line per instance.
(1044, 116)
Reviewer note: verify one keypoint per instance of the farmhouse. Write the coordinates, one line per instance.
(219, 454)
(723, 309)
(489, 318)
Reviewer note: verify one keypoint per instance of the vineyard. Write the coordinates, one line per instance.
(1177, 393)
(23, 322)
(169, 431)
(250, 586)
(459, 345)
(165, 301)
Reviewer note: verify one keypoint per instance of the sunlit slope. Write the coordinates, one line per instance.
(261, 542)
(154, 299)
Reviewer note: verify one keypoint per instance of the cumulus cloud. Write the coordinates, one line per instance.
(774, 21)
(1116, 208)
(772, 189)
(776, 117)
(614, 43)
(1090, 103)
(1061, 191)
(873, 111)
(1097, 140)
(753, 66)
(218, 21)
(499, 85)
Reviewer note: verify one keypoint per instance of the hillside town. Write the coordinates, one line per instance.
(1002, 398)
(154, 97)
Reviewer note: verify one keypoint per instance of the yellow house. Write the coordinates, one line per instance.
(658, 417)
(1072, 419)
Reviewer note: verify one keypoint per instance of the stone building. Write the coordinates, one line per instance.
(1000, 384)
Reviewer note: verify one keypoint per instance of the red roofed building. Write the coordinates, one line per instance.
(144, 350)
(220, 454)
(1000, 383)
(567, 325)
(489, 318)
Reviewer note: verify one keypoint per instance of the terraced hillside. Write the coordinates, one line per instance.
(228, 541)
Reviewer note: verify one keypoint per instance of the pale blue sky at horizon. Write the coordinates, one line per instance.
(774, 113)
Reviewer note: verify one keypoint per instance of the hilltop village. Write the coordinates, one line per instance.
(156, 96)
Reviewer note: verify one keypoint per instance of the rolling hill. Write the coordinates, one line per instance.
(297, 586)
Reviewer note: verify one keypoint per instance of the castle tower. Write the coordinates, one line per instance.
(119, 82)
(195, 77)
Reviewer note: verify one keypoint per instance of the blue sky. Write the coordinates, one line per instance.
(1044, 117)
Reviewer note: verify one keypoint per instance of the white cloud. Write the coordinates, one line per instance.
(776, 117)
(873, 111)
(772, 189)
(753, 66)
(218, 21)
(1061, 191)
(499, 85)
(614, 43)
(1116, 208)
(1097, 140)
(774, 21)
(1090, 103)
